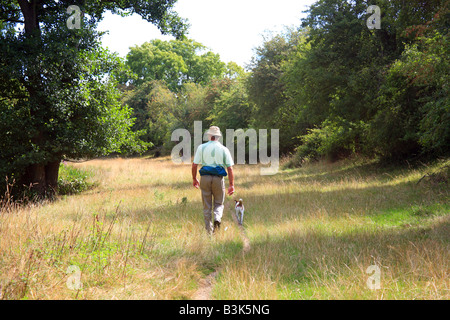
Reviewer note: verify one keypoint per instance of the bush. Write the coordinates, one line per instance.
(334, 140)
(73, 180)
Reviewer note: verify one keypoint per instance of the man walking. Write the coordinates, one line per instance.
(214, 158)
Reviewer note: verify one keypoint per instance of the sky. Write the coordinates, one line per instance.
(231, 28)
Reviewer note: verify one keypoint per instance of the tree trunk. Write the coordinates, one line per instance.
(51, 176)
(42, 179)
(30, 15)
(35, 179)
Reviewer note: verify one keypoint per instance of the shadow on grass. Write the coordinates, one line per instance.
(330, 172)
(315, 264)
(346, 201)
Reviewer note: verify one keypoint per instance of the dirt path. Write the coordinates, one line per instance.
(246, 240)
(205, 289)
(206, 284)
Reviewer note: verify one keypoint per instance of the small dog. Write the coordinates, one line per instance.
(239, 207)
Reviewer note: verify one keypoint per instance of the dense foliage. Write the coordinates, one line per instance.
(349, 89)
(333, 87)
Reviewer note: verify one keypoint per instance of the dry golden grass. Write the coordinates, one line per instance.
(314, 231)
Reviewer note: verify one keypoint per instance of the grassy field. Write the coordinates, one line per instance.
(313, 232)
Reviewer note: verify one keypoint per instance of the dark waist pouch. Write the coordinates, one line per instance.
(213, 171)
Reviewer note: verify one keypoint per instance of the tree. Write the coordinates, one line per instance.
(232, 108)
(152, 103)
(177, 82)
(267, 88)
(58, 93)
(175, 61)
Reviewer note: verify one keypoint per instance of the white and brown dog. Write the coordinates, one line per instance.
(239, 208)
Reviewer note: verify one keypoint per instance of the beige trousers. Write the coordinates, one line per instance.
(213, 196)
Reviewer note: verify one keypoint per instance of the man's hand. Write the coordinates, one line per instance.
(195, 183)
(231, 180)
(194, 176)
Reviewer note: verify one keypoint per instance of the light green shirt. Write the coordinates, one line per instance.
(213, 154)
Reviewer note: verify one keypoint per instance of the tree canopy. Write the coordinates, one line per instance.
(175, 61)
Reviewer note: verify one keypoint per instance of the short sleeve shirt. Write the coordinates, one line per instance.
(213, 154)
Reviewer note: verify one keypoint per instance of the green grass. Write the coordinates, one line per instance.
(416, 215)
(74, 180)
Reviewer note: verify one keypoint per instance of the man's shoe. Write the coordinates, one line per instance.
(216, 225)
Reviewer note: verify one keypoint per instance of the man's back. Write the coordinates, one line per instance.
(213, 154)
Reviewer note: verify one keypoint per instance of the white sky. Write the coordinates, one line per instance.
(231, 28)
